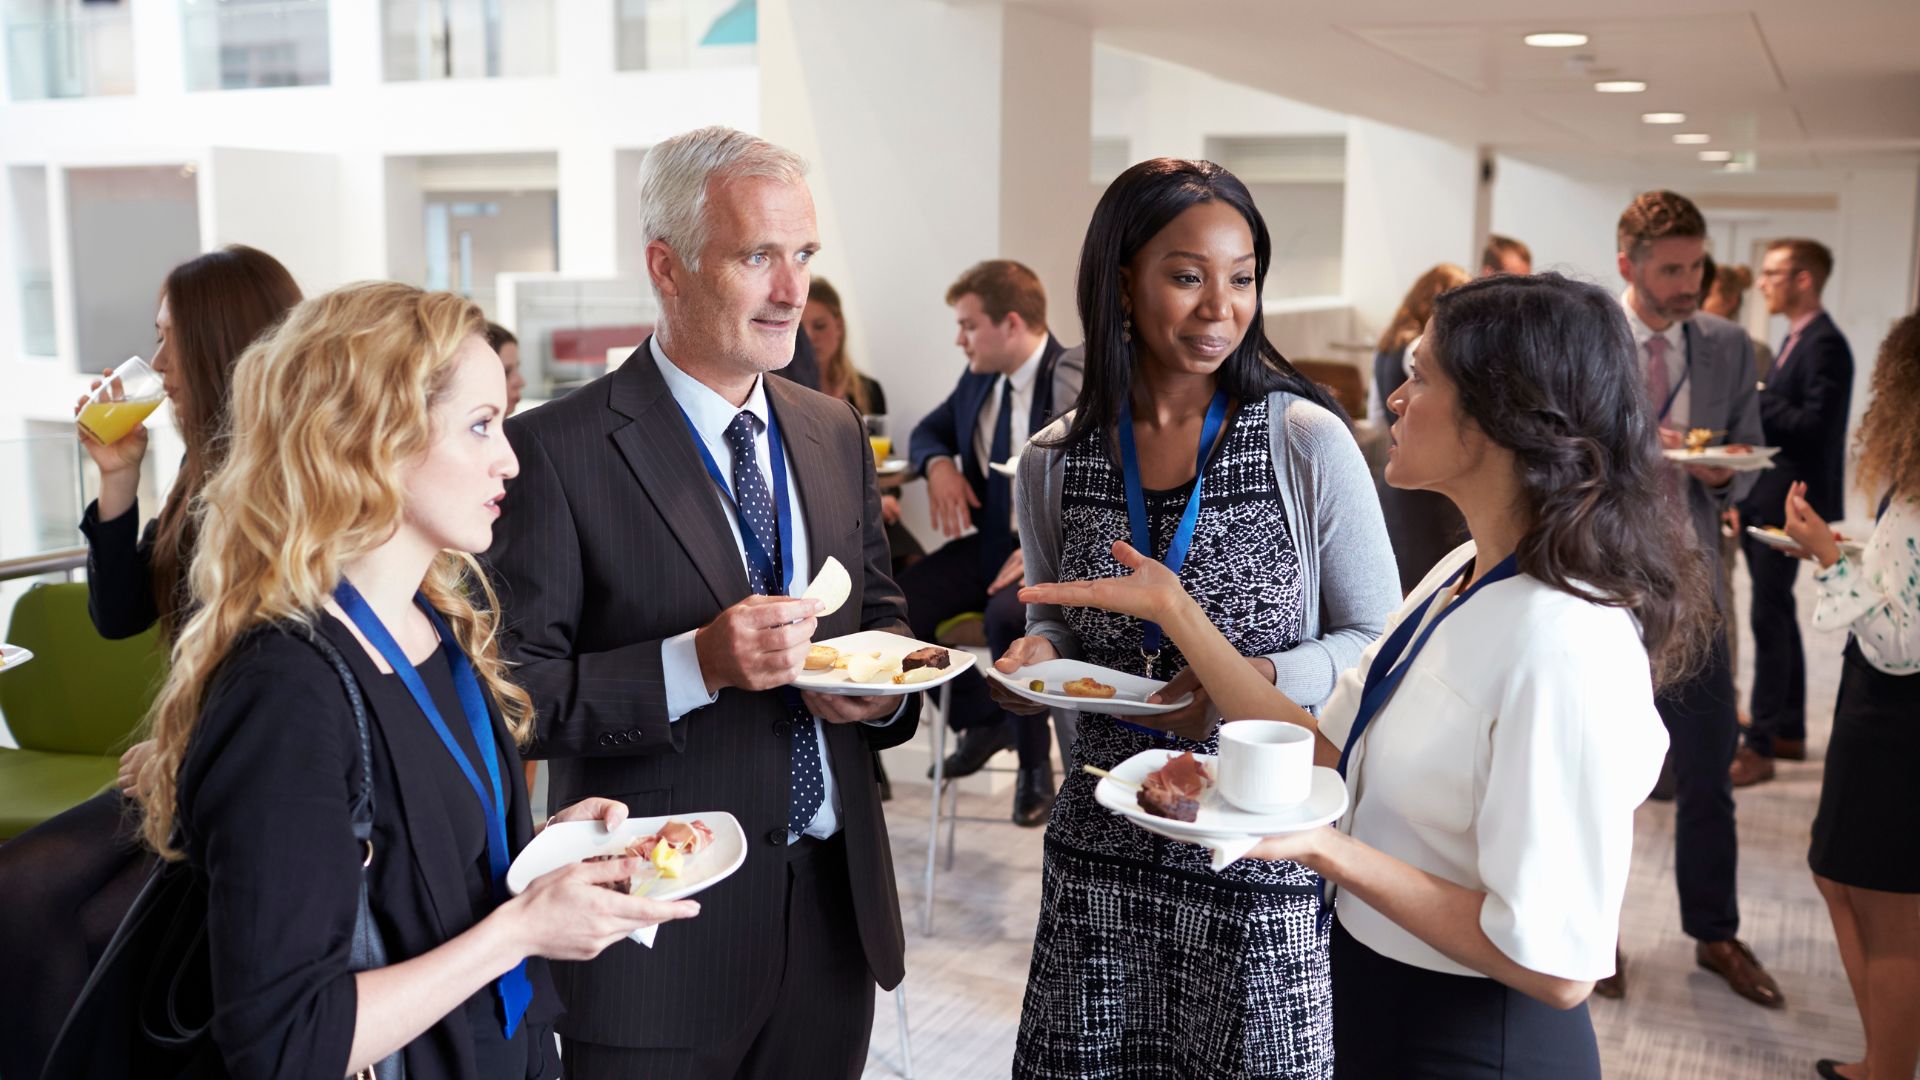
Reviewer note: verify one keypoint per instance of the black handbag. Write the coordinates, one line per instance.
(146, 1008)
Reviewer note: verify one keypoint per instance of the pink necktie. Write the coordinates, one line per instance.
(1659, 385)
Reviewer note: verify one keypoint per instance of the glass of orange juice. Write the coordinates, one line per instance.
(128, 395)
(878, 438)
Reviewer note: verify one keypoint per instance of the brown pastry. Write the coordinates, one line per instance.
(822, 657)
(1092, 688)
(931, 656)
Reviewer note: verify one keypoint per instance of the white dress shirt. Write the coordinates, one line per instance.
(1675, 333)
(686, 684)
(1509, 761)
(1022, 379)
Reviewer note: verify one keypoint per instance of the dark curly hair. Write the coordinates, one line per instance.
(1546, 367)
(1136, 206)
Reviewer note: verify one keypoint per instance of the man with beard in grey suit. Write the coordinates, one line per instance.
(1699, 372)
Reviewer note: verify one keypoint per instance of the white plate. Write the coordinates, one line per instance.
(1782, 542)
(894, 646)
(1218, 818)
(12, 656)
(1009, 467)
(1759, 457)
(891, 466)
(1130, 691)
(571, 841)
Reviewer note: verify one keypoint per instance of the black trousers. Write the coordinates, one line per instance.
(1394, 1021)
(1704, 729)
(820, 1020)
(953, 581)
(1779, 702)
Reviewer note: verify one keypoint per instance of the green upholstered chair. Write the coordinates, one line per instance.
(73, 708)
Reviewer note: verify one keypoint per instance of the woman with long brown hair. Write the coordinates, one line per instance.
(366, 466)
(1866, 836)
(1423, 526)
(1498, 739)
(70, 880)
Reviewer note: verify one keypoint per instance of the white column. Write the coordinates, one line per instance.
(588, 215)
(1410, 204)
(355, 43)
(159, 58)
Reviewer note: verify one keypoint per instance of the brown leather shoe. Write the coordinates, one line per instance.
(1750, 767)
(1790, 749)
(1734, 962)
(1614, 986)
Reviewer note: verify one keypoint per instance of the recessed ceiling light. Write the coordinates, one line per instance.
(1716, 155)
(1663, 118)
(1555, 39)
(1620, 86)
(1692, 138)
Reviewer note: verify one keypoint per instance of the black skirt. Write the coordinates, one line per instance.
(1867, 833)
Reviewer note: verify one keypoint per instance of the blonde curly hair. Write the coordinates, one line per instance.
(1889, 435)
(327, 410)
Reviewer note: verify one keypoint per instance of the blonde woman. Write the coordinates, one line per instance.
(366, 462)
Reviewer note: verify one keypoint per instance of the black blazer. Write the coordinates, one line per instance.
(1803, 410)
(611, 542)
(264, 809)
(947, 431)
(120, 596)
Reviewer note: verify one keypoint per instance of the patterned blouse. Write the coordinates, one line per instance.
(1877, 594)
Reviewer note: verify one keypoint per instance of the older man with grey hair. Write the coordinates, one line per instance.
(649, 557)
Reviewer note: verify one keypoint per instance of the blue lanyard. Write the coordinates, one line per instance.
(1385, 674)
(1137, 525)
(514, 989)
(757, 548)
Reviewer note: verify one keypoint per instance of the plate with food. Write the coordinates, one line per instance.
(1699, 450)
(1075, 684)
(12, 656)
(1776, 537)
(685, 853)
(879, 663)
(1177, 795)
(1009, 467)
(891, 466)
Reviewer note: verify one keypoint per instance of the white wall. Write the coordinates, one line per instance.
(1567, 221)
(1170, 110)
(1410, 203)
(286, 204)
(126, 229)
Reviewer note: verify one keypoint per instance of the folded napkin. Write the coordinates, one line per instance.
(644, 935)
(1227, 850)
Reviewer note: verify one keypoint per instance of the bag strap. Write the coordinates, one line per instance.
(368, 950)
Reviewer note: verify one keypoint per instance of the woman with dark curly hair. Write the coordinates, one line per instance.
(1866, 837)
(1498, 739)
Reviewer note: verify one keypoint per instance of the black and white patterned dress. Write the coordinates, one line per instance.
(1146, 963)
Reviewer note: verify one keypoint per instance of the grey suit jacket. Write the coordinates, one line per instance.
(1724, 398)
(612, 541)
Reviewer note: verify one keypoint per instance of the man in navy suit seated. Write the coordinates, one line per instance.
(1018, 379)
(1803, 410)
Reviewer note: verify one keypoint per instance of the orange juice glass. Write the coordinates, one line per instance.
(128, 395)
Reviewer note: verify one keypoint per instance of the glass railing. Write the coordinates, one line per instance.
(467, 39)
(46, 488)
(36, 313)
(253, 44)
(657, 35)
(85, 54)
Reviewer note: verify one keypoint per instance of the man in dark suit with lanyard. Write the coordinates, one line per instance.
(1018, 379)
(1804, 410)
(663, 520)
(1699, 372)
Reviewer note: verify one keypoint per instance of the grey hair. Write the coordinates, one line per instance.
(677, 172)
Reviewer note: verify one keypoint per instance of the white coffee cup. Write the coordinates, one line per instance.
(1266, 766)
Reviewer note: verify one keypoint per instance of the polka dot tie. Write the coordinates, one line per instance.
(806, 785)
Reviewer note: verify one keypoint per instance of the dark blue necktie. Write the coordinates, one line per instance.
(997, 529)
(807, 788)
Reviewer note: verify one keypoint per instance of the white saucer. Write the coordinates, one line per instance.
(891, 466)
(1130, 691)
(1782, 542)
(1218, 818)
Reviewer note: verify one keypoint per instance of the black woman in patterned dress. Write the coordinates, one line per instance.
(1197, 439)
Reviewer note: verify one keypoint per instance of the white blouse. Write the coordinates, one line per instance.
(1510, 761)
(1877, 596)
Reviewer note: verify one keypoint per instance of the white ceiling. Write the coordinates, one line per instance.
(1806, 84)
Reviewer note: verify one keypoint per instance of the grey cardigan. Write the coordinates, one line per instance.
(1328, 496)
